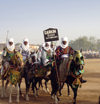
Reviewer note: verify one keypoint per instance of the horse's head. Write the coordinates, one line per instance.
(18, 59)
(79, 60)
(33, 57)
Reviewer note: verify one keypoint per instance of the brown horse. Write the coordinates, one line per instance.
(71, 76)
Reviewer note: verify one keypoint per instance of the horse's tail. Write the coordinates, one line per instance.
(99, 99)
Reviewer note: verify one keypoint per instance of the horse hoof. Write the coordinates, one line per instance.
(52, 97)
(74, 101)
(6, 95)
(56, 100)
(17, 101)
(10, 101)
(44, 90)
(69, 95)
(27, 98)
(35, 96)
(2, 96)
(48, 90)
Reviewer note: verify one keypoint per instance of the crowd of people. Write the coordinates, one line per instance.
(44, 55)
(91, 54)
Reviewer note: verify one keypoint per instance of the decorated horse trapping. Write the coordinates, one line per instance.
(41, 71)
(15, 70)
(14, 77)
(77, 82)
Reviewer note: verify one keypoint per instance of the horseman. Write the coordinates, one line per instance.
(63, 51)
(8, 53)
(24, 49)
(46, 54)
(39, 54)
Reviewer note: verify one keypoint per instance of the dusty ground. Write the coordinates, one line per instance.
(88, 94)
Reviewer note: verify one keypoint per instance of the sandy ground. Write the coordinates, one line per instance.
(88, 94)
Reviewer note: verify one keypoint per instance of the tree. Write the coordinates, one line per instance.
(85, 43)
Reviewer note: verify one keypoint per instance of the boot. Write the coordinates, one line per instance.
(83, 81)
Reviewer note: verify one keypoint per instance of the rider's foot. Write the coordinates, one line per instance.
(83, 81)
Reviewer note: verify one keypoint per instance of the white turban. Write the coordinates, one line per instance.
(10, 47)
(64, 39)
(25, 47)
(46, 48)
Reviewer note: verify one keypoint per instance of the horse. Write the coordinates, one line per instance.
(12, 72)
(4, 76)
(34, 73)
(72, 77)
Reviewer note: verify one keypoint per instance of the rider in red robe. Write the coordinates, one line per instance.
(63, 51)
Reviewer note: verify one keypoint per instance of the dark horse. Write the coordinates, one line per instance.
(72, 77)
(33, 73)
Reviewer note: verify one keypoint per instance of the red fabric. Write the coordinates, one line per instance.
(60, 51)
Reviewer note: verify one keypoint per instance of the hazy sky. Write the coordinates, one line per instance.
(28, 18)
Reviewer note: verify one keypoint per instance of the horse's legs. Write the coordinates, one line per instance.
(27, 89)
(27, 97)
(46, 81)
(7, 82)
(40, 84)
(68, 89)
(3, 89)
(60, 88)
(75, 95)
(10, 96)
(36, 90)
(20, 87)
(17, 88)
(55, 88)
(56, 97)
(34, 87)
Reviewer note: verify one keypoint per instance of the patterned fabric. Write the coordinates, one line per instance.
(25, 53)
(5, 70)
(77, 82)
(63, 70)
(12, 72)
(60, 51)
(63, 63)
(8, 55)
(40, 71)
(14, 77)
(76, 69)
(17, 58)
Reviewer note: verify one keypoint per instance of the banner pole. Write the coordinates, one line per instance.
(56, 69)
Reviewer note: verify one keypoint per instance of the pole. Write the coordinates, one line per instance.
(7, 36)
(56, 68)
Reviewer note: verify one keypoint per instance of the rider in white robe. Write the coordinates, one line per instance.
(24, 49)
(8, 52)
(46, 53)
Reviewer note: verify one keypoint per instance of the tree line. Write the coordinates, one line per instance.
(85, 43)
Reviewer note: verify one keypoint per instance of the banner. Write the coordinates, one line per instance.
(51, 34)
